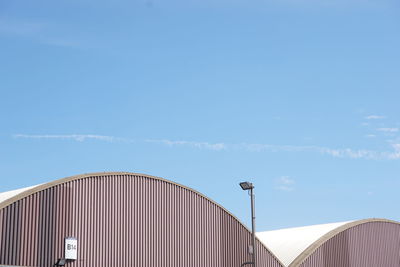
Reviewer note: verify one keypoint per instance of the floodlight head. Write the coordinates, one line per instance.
(246, 185)
(60, 262)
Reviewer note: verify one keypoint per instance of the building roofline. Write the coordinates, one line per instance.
(44, 186)
(314, 246)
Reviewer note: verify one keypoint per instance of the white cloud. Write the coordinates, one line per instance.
(76, 137)
(285, 183)
(200, 145)
(351, 153)
(370, 135)
(396, 147)
(396, 153)
(337, 153)
(269, 147)
(333, 152)
(374, 117)
(364, 154)
(388, 130)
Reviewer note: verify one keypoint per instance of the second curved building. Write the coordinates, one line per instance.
(363, 243)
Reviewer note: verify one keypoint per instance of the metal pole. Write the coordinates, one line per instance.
(253, 226)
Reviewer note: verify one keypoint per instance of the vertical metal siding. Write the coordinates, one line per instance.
(373, 244)
(124, 220)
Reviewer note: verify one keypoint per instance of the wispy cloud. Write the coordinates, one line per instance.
(396, 154)
(274, 148)
(76, 137)
(333, 152)
(338, 153)
(388, 130)
(285, 183)
(354, 154)
(374, 117)
(200, 145)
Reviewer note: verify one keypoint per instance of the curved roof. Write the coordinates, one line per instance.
(288, 243)
(4, 196)
(7, 198)
(293, 245)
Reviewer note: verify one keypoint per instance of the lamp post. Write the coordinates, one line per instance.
(249, 186)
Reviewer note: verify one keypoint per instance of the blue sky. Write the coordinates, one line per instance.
(298, 96)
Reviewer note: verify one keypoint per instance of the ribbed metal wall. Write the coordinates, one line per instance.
(124, 220)
(374, 244)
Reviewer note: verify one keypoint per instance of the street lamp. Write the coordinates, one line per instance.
(249, 186)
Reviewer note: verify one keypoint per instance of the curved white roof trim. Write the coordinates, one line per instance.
(9, 194)
(288, 244)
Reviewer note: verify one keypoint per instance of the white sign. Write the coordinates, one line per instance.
(71, 248)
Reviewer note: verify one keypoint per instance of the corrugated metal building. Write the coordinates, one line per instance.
(127, 219)
(121, 219)
(363, 243)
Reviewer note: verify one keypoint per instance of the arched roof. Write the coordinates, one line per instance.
(4, 196)
(288, 243)
(9, 197)
(293, 245)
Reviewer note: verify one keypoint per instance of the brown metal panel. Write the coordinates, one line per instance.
(365, 245)
(123, 220)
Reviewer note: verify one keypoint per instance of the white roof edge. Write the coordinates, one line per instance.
(287, 244)
(10, 194)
